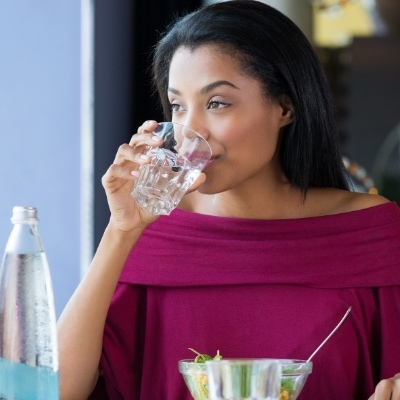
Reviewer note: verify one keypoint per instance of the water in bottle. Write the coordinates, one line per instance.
(28, 337)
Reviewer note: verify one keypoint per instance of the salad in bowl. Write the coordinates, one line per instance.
(294, 376)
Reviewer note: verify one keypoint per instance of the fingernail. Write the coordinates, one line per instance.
(135, 173)
(144, 157)
(155, 138)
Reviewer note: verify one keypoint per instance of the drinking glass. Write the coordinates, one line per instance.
(244, 379)
(173, 167)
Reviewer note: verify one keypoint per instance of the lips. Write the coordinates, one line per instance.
(210, 162)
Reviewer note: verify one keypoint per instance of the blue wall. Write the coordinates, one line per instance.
(40, 128)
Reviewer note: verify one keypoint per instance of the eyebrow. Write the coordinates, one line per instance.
(206, 89)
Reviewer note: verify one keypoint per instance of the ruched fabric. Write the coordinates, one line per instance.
(258, 288)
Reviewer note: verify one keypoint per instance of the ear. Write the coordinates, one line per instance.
(287, 109)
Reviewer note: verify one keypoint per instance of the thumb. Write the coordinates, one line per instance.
(200, 179)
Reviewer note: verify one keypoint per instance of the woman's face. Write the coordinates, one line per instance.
(209, 93)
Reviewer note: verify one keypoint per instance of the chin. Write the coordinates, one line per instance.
(202, 189)
(209, 188)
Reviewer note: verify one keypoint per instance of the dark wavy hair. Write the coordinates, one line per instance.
(273, 50)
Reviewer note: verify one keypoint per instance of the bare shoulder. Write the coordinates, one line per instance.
(353, 201)
(335, 201)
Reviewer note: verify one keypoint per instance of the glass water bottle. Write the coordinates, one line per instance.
(28, 337)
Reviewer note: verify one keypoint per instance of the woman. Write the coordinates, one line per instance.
(264, 258)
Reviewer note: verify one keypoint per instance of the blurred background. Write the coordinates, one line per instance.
(74, 85)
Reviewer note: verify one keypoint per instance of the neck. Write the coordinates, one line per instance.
(280, 202)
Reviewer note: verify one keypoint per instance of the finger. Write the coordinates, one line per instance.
(396, 387)
(383, 390)
(116, 171)
(148, 126)
(194, 186)
(127, 155)
(141, 141)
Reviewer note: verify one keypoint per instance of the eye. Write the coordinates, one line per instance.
(175, 107)
(213, 104)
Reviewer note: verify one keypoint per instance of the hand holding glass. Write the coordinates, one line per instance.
(173, 167)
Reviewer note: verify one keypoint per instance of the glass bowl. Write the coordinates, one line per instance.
(294, 376)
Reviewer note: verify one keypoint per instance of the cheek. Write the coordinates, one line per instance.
(227, 131)
(247, 134)
(259, 143)
(234, 135)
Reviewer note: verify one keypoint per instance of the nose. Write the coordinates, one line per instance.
(198, 124)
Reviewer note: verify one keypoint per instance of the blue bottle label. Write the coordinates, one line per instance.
(23, 382)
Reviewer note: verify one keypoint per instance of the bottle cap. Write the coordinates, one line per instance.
(24, 214)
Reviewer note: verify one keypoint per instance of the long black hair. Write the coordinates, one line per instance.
(272, 49)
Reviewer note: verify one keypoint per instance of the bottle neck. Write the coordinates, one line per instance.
(24, 239)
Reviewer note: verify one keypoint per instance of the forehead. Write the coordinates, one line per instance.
(202, 63)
